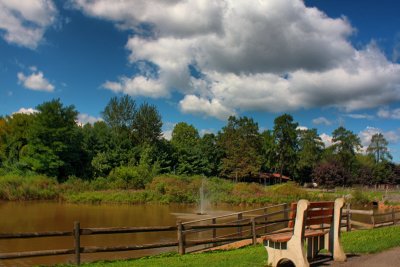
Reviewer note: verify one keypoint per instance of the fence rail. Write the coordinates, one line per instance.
(213, 231)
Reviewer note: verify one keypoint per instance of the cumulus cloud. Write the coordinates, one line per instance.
(386, 113)
(202, 106)
(326, 139)
(392, 137)
(26, 111)
(25, 22)
(360, 116)
(275, 55)
(321, 120)
(35, 81)
(84, 118)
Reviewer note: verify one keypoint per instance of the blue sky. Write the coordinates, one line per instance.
(328, 63)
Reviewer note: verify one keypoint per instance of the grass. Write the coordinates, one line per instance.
(248, 256)
(358, 242)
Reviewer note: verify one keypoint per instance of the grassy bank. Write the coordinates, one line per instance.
(164, 189)
(358, 242)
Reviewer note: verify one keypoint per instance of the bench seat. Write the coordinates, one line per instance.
(313, 226)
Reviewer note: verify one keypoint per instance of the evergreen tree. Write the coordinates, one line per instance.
(286, 145)
(242, 145)
(378, 148)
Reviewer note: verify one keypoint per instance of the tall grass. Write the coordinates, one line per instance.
(35, 187)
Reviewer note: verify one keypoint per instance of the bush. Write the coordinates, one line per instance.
(35, 187)
(128, 177)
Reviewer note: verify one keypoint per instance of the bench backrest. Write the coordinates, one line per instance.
(318, 213)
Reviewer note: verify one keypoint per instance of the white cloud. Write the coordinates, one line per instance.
(84, 118)
(35, 81)
(327, 139)
(386, 113)
(25, 22)
(213, 108)
(301, 128)
(360, 116)
(26, 111)
(321, 120)
(269, 55)
(365, 136)
(168, 127)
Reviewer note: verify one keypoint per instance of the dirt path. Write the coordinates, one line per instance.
(389, 258)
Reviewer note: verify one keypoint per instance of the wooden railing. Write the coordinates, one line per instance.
(194, 235)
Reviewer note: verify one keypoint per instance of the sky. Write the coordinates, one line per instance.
(328, 63)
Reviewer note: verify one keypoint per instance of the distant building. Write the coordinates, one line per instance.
(272, 178)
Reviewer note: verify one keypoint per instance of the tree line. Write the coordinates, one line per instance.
(129, 142)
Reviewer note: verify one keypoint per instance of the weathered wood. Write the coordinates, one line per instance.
(393, 216)
(362, 212)
(128, 248)
(181, 239)
(214, 230)
(348, 218)
(215, 226)
(126, 230)
(77, 243)
(239, 229)
(253, 231)
(28, 254)
(218, 240)
(361, 224)
(35, 235)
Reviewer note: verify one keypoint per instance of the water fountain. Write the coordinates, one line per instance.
(202, 203)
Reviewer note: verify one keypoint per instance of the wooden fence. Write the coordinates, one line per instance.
(194, 235)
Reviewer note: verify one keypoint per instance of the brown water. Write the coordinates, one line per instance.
(53, 216)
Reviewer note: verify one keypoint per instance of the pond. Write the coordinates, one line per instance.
(54, 216)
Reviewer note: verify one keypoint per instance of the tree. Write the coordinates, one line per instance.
(54, 141)
(378, 148)
(285, 136)
(241, 144)
(186, 141)
(147, 125)
(120, 113)
(330, 174)
(268, 151)
(345, 145)
(310, 152)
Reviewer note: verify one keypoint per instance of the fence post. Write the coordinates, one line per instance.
(239, 230)
(265, 220)
(77, 236)
(181, 238)
(253, 230)
(348, 218)
(373, 219)
(393, 216)
(214, 231)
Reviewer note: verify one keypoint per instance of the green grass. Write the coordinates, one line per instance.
(356, 242)
(371, 241)
(248, 256)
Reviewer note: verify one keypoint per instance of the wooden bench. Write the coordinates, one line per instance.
(316, 225)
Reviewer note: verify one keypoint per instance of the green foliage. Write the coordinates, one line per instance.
(310, 152)
(53, 141)
(119, 113)
(147, 125)
(15, 187)
(378, 148)
(241, 143)
(286, 146)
